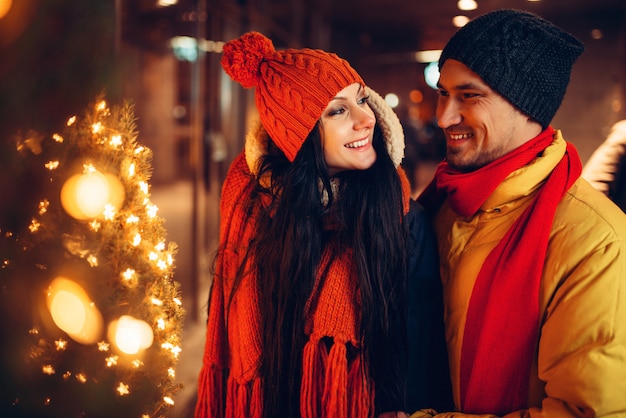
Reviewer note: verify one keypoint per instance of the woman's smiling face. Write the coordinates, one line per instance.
(347, 131)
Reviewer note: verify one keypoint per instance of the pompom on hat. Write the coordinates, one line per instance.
(293, 86)
(525, 58)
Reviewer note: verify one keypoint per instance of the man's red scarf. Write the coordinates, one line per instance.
(500, 337)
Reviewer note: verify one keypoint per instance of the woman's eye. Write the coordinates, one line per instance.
(364, 100)
(336, 111)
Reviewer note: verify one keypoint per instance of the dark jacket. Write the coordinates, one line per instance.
(428, 383)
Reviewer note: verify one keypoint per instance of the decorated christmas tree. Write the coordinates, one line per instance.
(91, 314)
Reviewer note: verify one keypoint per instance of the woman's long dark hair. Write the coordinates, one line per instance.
(287, 249)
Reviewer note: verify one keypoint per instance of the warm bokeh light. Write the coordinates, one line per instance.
(73, 311)
(86, 196)
(5, 6)
(392, 100)
(460, 21)
(130, 335)
(616, 105)
(416, 96)
(467, 5)
(428, 55)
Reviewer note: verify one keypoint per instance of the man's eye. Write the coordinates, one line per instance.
(442, 93)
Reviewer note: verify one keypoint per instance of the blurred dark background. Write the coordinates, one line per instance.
(56, 56)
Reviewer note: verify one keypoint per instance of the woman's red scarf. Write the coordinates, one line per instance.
(500, 337)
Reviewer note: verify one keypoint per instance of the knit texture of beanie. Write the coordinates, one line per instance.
(293, 86)
(525, 58)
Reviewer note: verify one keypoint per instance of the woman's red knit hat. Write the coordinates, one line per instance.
(293, 86)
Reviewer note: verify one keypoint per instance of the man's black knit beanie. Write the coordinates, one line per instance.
(525, 58)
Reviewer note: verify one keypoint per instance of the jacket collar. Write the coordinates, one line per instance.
(525, 181)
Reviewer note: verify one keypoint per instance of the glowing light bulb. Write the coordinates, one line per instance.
(131, 335)
(88, 195)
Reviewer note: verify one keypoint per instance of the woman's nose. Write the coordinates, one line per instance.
(364, 118)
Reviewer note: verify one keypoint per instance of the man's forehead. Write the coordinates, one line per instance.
(456, 75)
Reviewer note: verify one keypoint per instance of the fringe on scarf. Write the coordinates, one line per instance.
(244, 400)
(210, 393)
(331, 385)
(313, 364)
(362, 394)
(240, 400)
(336, 381)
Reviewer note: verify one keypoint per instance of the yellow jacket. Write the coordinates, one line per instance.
(580, 364)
